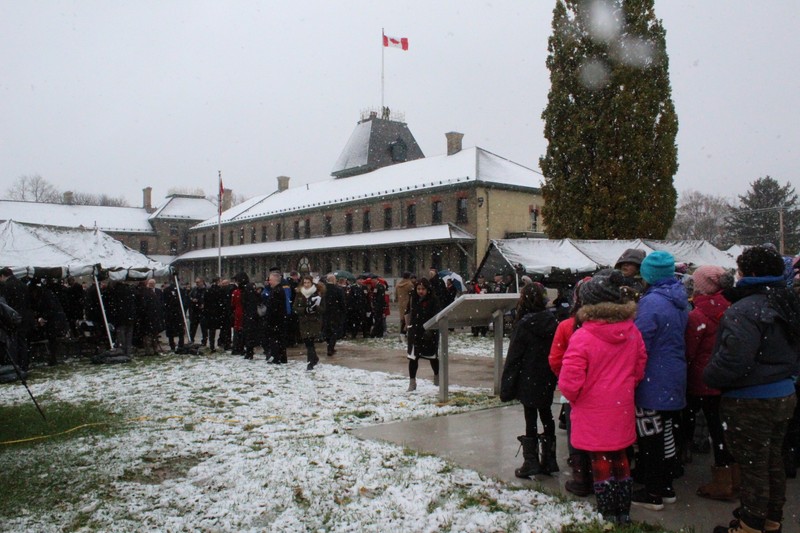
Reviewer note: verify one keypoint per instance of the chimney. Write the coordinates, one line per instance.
(227, 197)
(283, 183)
(68, 198)
(147, 199)
(453, 142)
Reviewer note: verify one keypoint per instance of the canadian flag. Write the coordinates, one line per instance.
(394, 42)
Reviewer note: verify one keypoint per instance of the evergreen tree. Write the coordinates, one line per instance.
(757, 219)
(610, 123)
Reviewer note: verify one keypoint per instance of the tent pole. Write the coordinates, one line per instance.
(103, 311)
(183, 310)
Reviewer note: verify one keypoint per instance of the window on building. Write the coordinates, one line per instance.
(327, 226)
(230, 238)
(213, 240)
(204, 241)
(173, 231)
(436, 259)
(462, 261)
(307, 228)
(263, 234)
(327, 264)
(366, 227)
(411, 259)
(296, 232)
(366, 257)
(194, 242)
(387, 263)
(461, 210)
(143, 247)
(173, 247)
(534, 219)
(436, 212)
(349, 261)
(278, 232)
(387, 218)
(411, 215)
(348, 223)
(253, 234)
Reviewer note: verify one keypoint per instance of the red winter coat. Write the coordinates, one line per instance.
(603, 363)
(564, 331)
(238, 310)
(701, 333)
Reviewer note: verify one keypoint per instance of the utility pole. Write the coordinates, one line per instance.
(780, 229)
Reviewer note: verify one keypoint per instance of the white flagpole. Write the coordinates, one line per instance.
(383, 51)
(219, 227)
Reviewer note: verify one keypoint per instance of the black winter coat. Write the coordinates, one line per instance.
(18, 298)
(214, 307)
(755, 344)
(422, 343)
(121, 304)
(173, 316)
(150, 310)
(527, 376)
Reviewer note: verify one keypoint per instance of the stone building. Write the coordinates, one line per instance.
(387, 209)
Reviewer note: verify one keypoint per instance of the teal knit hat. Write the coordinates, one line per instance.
(657, 266)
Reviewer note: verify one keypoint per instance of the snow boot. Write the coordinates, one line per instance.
(624, 492)
(721, 485)
(530, 454)
(581, 482)
(607, 499)
(549, 464)
(412, 385)
(436, 379)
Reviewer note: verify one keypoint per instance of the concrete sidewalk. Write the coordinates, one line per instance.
(485, 441)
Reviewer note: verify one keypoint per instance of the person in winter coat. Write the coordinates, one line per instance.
(214, 309)
(196, 297)
(579, 460)
(173, 315)
(378, 306)
(72, 303)
(334, 313)
(275, 319)
(251, 330)
(224, 341)
(51, 321)
(122, 314)
(661, 318)
(527, 377)
(604, 361)
(422, 344)
(756, 356)
(150, 316)
(402, 293)
(701, 333)
(16, 294)
(237, 314)
(630, 264)
(309, 306)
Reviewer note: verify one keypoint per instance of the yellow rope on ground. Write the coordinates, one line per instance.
(137, 419)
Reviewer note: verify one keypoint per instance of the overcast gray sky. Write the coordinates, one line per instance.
(110, 97)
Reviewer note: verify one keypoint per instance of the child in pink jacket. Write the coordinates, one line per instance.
(603, 363)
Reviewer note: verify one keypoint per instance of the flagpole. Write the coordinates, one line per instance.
(383, 51)
(219, 227)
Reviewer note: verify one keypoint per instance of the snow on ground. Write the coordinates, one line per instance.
(217, 443)
(460, 342)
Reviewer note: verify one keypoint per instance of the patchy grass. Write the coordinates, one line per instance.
(471, 399)
(22, 422)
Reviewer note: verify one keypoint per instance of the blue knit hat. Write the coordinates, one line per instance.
(657, 266)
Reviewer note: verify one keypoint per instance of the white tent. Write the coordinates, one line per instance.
(59, 252)
(568, 258)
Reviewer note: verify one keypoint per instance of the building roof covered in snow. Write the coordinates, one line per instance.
(185, 207)
(421, 176)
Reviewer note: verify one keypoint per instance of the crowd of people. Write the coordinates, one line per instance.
(645, 349)
(221, 315)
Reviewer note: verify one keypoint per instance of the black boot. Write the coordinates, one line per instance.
(607, 499)
(549, 463)
(581, 482)
(530, 454)
(624, 492)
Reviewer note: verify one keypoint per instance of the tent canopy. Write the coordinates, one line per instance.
(568, 259)
(40, 251)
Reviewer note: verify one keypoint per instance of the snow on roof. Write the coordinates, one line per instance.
(76, 251)
(542, 256)
(118, 219)
(439, 233)
(468, 165)
(186, 207)
(356, 152)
